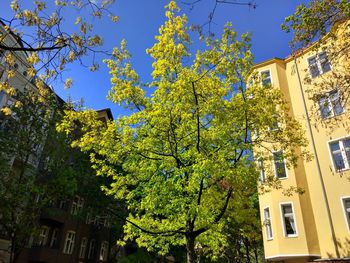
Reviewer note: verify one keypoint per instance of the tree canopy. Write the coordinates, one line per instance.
(182, 158)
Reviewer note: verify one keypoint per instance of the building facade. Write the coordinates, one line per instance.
(316, 224)
(71, 229)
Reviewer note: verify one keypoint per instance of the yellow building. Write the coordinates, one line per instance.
(316, 224)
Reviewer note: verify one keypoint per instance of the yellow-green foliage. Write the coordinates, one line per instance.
(183, 156)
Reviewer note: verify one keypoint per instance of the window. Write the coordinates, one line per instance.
(330, 104)
(69, 243)
(77, 205)
(2, 98)
(274, 125)
(54, 238)
(289, 226)
(83, 245)
(43, 235)
(346, 204)
(319, 64)
(261, 169)
(92, 249)
(267, 223)
(340, 151)
(266, 77)
(103, 251)
(62, 204)
(280, 167)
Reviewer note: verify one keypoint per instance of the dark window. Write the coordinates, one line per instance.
(280, 167)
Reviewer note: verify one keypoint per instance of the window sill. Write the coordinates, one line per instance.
(332, 117)
(269, 239)
(291, 236)
(283, 178)
(342, 170)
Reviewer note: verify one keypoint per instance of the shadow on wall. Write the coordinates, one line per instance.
(344, 250)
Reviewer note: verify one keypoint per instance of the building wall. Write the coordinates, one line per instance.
(56, 216)
(314, 237)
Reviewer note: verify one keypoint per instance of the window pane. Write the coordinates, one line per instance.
(325, 107)
(261, 169)
(325, 65)
(279, 165)
(83, 248)
(347, 210)
(346, 144)
(289, 222)
(338, 161)
(266, 77)
(314, 71)
(335, 99)
(335, 146)
(267, 223)
(54, 238)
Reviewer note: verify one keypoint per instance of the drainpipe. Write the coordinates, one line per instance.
(319, 172)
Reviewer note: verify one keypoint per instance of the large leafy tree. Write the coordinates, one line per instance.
(181, 160)
(323, 26)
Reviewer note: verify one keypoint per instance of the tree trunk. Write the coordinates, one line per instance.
(191, 255)
(256, 253)
(247, 250)
(12, 250)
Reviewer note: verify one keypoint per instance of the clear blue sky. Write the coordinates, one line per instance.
(139, 23)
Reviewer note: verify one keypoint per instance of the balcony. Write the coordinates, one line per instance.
(54, 214)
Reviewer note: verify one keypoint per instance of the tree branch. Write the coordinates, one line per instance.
(31, 49)
(163, 233)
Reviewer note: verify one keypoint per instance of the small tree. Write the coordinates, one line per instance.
(185, 149)
(35, 163)
(23, 131)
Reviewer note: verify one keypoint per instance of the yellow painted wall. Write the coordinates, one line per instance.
(310, 211)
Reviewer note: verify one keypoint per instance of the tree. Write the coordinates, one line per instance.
(35, 163)
(184, 151)
(323, 26)
(22, 133)
(43, 29)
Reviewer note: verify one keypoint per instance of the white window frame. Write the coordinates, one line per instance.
(77, 205)
(330, 104)
(284, 223)
(261, 168)
(274, 166)
(343, 153)
(103, 251)
(278, 124)
(261, 76)
(92, 247)
(83, 246)
(69, 242)
(346, 217)
(268, 230)
(54, 237)
(318, 64)
(43, 235)
(62, 204)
